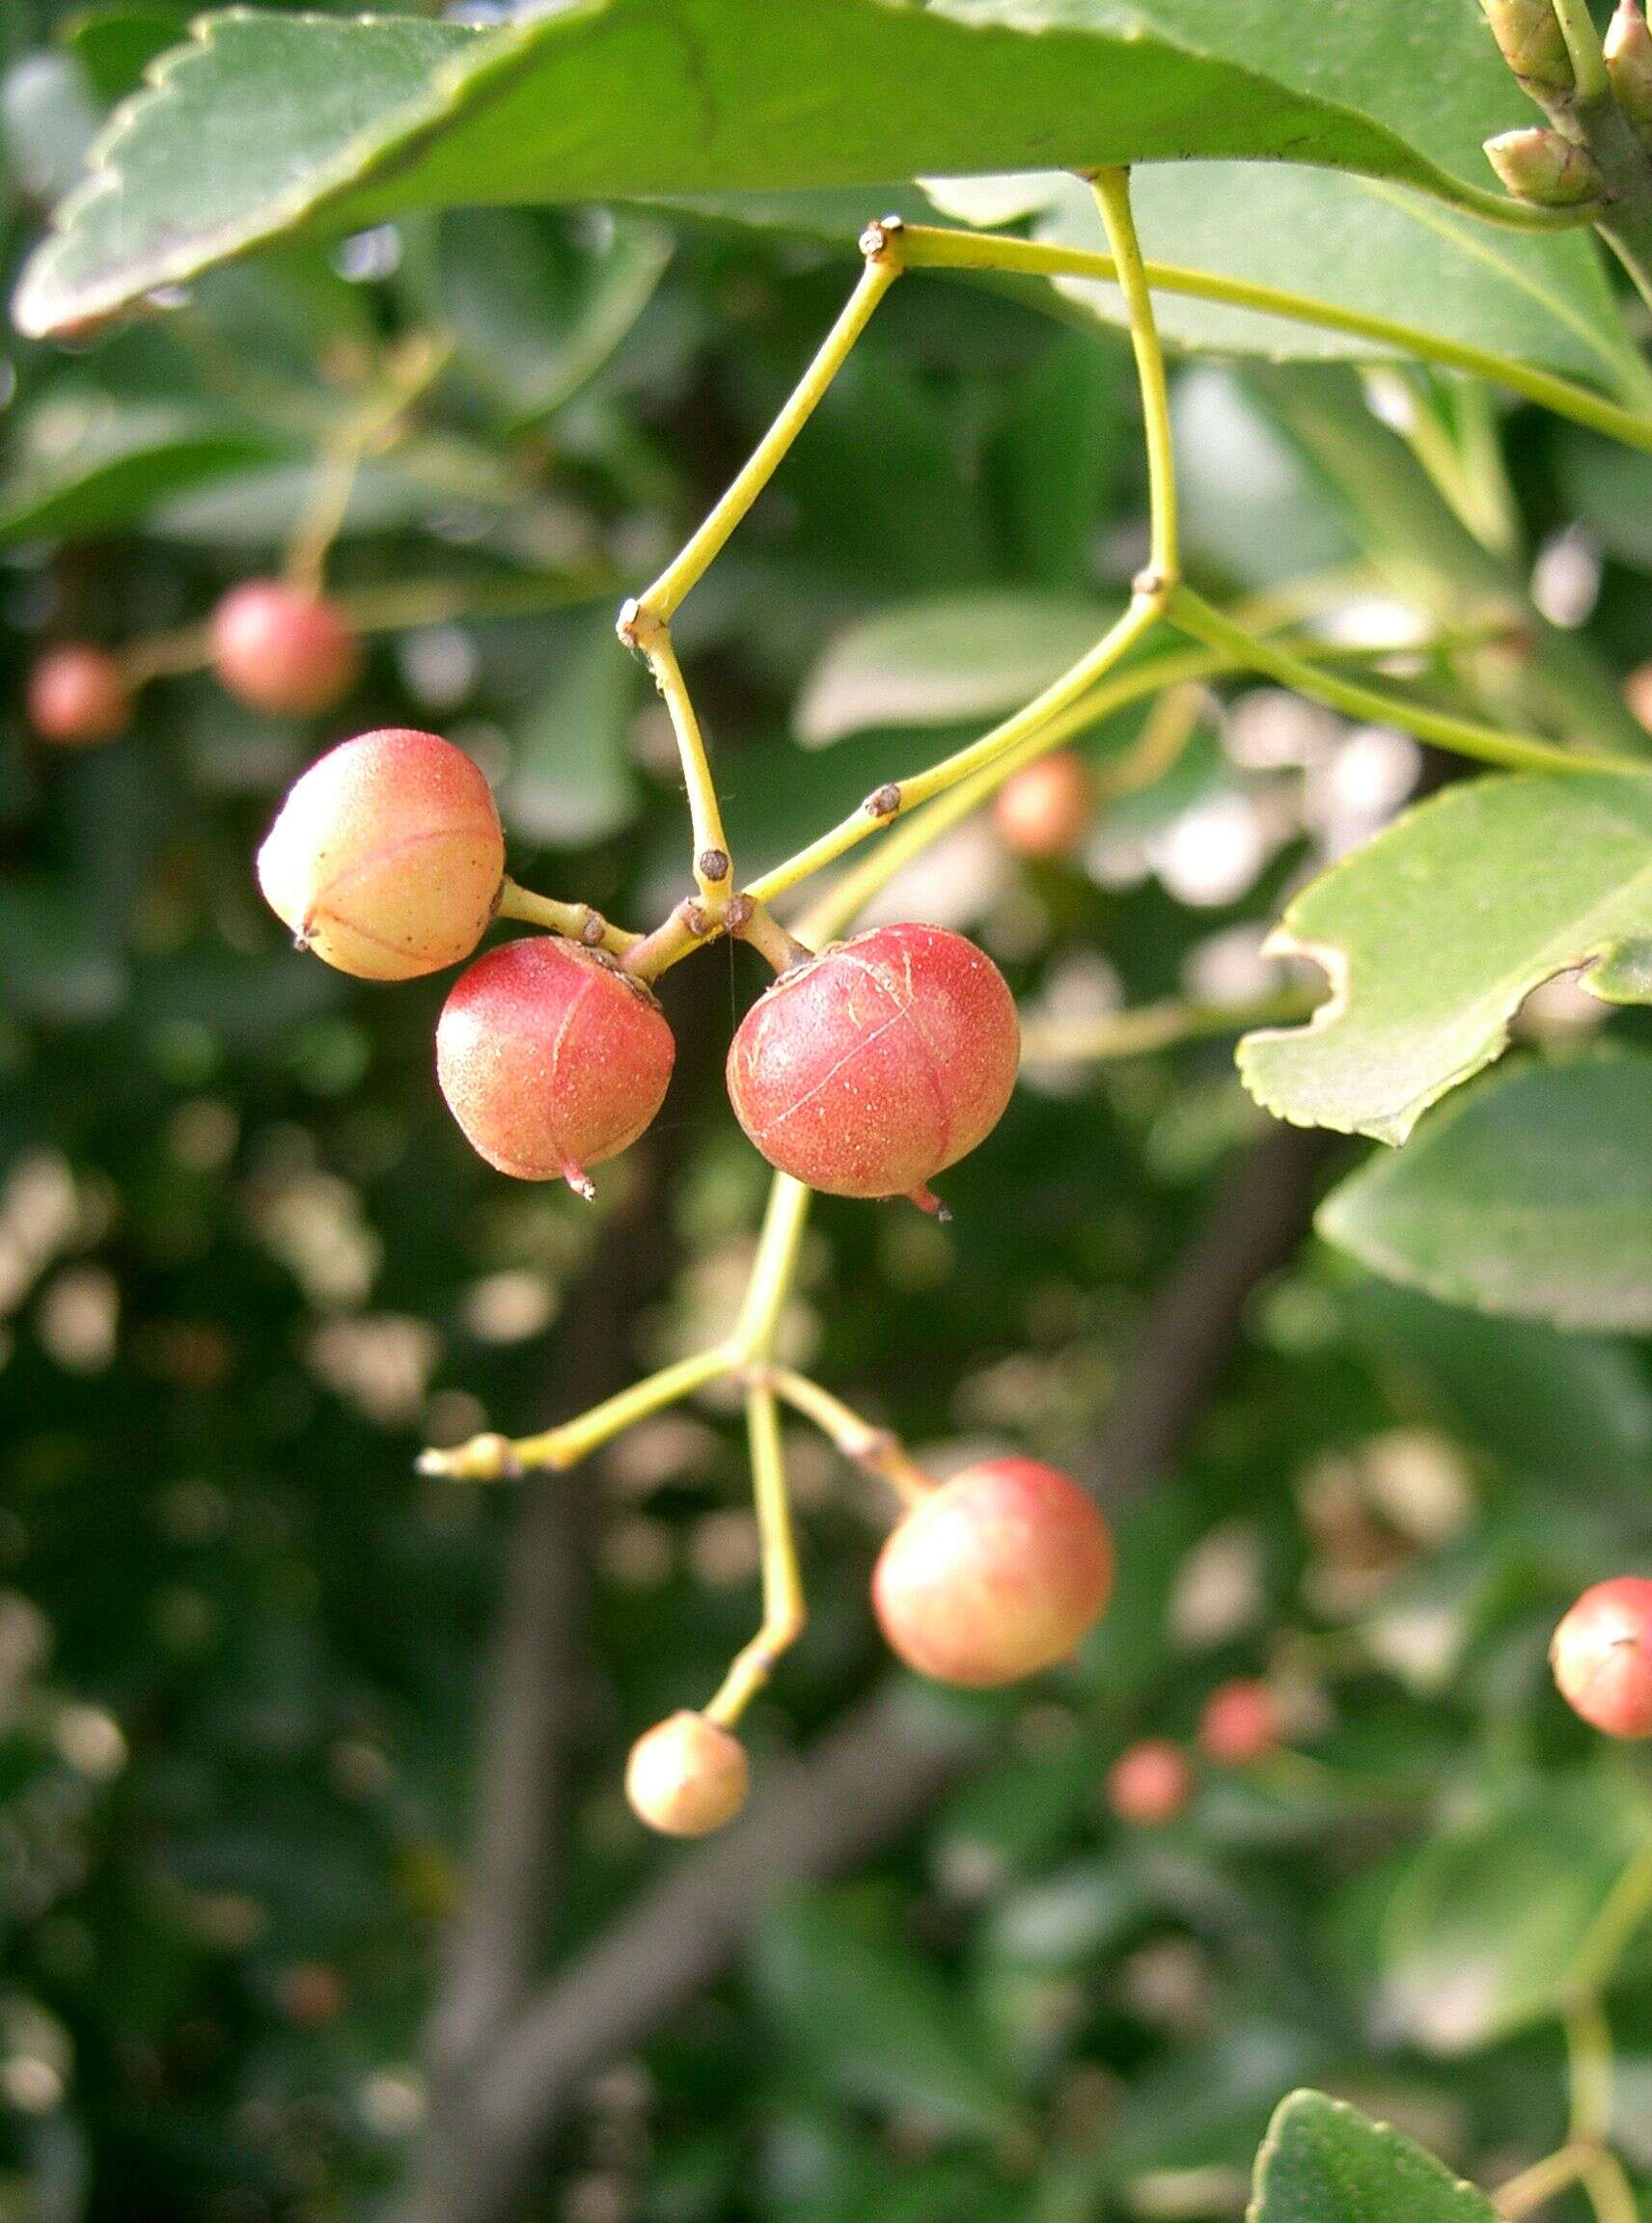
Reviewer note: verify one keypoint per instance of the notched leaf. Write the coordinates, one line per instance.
(1433, 935)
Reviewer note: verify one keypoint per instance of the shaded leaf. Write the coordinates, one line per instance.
(1435, 932)
(942, 660)
(1534, 1198)
(879, 2023)
(1478, 1932)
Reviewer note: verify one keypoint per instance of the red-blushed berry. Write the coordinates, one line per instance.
(1602, 1657)
(78, 695)
(686, 1777)
(996, 1573)
(552, 1058)
(872, 1067)
(311, 1995)
(1240, 1722)
(1045, 809)
(1150, 1783)
(387, 857)
(284, 651)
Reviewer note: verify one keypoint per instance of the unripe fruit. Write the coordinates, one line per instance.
(869, 1069)
(78, 693)
(552, 1058)
(1150, 1783)
(686, 1777)
(284, 651)
(1602, 1657)
(995, 1575)
(1240, 1722)
(1045, 810)
(387, 857)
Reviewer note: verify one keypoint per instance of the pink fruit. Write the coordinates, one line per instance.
(1045, 810)
(1240, 1722)
(283, 652)
(387, 857)
(552, 1058)
(686, 1777)
(871, 1068)
(1150, 1783)
(998, 1573)
(1602, 1657)
(78, 695)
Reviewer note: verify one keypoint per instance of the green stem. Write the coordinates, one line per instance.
(1462, 736)
(1156, 1026)
(927, 247)
(1112, 191)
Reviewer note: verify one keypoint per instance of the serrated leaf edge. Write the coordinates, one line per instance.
(1292, 2104)
(453, 83)
(1395, 1128)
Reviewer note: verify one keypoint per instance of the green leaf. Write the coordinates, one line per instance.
(1478, 1934)
(879, 2023)
(1353, 242)
(946, 660)
(572, 781)
(269, 122)
(1532, 1196)
(1571, 1407)
(1324, 2162)
(1434, 933)
(88, 462)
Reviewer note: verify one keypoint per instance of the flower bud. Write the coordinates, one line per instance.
(1628, 48)
(1544, 166)
(1530, 39)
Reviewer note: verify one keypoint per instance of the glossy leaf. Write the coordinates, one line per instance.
(89, 461)
(1324, 2162)
(1532, 1196)
(1434, 933)
(266, 123)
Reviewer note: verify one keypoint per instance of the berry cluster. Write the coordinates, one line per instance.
(864, 1070)
(278, 647)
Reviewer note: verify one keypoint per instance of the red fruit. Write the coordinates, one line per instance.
(386, 858)
(997, 1574)
(1045, 810)
(1240, 1722)
(686, 1777)
(284, 651)
(1602, 1657)
(875, 1065)
(78, 693)
(552, 1058)
(1150, 1783)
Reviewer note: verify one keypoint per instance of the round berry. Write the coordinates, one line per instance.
(552, 1058)
(686, 1777)
(78, 695)
(995, 1575)
(1045, 809)
(871, 1068)
(1602, 1657)
(387, 857)
(1240, 1722)
(1150, 1783)
(286, 653)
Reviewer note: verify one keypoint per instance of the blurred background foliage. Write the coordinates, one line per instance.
(247, 1266)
